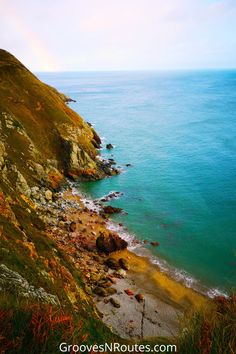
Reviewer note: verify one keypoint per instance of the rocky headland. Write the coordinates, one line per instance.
(55, 250)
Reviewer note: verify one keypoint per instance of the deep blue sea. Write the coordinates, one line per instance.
(178, 130)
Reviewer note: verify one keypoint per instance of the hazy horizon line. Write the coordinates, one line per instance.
(136, 70)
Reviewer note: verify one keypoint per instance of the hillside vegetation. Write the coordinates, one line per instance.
(42, 141)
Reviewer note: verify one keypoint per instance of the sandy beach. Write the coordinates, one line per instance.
(162, 302)
(161, 311)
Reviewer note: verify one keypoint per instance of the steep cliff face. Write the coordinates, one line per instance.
(40, 136)
(42, 141)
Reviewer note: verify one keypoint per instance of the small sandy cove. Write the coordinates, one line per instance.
(160, 313)
(138, 302)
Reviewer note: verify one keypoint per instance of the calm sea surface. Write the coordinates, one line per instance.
(178, 130)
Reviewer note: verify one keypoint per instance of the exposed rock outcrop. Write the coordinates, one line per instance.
(13, 282)
(39, 131)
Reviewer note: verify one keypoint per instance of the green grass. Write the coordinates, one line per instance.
(35, 328)
(212, 331)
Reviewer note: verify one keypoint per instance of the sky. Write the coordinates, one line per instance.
(91, 35)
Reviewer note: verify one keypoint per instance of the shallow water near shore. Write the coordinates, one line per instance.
(178, 130)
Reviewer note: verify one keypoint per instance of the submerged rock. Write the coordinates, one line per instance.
(155, 243)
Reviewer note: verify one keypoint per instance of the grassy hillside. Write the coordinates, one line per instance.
(42, 141)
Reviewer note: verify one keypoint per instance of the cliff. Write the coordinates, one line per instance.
(42, 288)
(41, 137)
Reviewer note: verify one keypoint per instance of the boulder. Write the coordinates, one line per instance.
(139, 297)
(100, 291)
(109, 146)
(154, 243)
(121, 273)
(108, 209)
(48, 195)
(114, 302)
(106, 283)
(112, 263)
(111, 243)
(111, 291)
(129, 292)
(35, 192)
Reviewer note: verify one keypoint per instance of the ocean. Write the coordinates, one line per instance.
(178, 130)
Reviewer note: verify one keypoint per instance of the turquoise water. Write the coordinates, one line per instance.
(178, 130)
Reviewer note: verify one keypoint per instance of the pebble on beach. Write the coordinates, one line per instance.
(114, 302)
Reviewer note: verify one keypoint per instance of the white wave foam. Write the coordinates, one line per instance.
(216, 292)
(138, 248)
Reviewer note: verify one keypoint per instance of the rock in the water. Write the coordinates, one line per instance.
(124, 264)
(139, 297)
(112, 263)
(72, 226)
(108, 209)
(109, 146)
(48, 195)
(154, 243)
(114, 302)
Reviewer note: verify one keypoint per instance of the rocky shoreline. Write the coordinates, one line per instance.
(117, 280)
